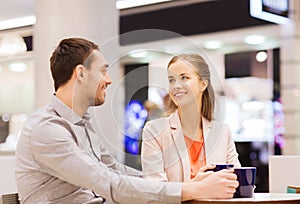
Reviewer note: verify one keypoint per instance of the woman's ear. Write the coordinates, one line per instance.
(204, 84)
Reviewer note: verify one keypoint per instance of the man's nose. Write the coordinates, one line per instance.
(108, 79)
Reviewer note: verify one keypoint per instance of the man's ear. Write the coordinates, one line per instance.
(79, 72)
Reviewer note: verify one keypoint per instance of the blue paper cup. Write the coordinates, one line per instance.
(246, 178)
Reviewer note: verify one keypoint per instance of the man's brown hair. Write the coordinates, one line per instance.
(69, 53)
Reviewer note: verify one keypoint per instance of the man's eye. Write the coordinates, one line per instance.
(171, 80)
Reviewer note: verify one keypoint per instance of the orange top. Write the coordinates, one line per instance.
(196, 155)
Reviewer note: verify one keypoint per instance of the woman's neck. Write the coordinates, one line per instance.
(191, 121)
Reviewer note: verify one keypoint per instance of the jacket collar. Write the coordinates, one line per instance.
(176, 125)
(178, 138)
(67, 113)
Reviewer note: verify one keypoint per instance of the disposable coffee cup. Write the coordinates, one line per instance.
(246, 178)
(222, 166)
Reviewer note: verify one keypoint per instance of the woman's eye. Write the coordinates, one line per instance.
(184, 78)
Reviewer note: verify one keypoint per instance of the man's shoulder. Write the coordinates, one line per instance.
(41, 114)
(41, 118)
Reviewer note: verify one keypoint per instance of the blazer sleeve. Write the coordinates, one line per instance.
(232, 155)
(152, 152)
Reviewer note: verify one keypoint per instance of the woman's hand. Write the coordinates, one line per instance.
(204, 172)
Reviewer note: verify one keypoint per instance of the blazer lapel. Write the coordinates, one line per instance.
(178, 138)
(211, 137)
(206, 127)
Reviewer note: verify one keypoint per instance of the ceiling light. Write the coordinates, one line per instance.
(138, 54)
(213, 44)
(124, 4)
(17, 22)
(254, 39)
(261, 56)
(17, 67)
(253, 105)
(5, 117)
(11, 44)
(254, 123)
(23, 117)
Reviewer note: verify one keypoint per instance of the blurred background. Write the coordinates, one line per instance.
(250, 45)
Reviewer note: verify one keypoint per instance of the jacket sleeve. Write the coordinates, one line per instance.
(116, 166)
(59, 156)
(232, 155)
(152, 151)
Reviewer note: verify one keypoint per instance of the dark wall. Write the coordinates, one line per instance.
(136, 82)
(238, 64)
(193, 19)
(254, 154)
(28, 42)
(136, 89)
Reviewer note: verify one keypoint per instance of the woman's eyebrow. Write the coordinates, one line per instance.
(184, 74)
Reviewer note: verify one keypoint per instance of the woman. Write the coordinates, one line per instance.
(175, 148)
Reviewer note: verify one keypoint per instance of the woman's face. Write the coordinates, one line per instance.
(185, 85)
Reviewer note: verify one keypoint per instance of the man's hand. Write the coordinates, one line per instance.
(221, 184)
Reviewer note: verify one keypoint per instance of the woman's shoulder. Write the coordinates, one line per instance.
(155, 123)
(156, 126)
(218, 122)
(219, 125)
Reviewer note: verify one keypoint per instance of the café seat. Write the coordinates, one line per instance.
(11, 198)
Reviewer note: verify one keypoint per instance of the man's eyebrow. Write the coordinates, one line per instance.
(105, 66)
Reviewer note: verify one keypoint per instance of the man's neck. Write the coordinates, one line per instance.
(71, 100)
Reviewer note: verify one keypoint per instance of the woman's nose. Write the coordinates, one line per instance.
(177, 84)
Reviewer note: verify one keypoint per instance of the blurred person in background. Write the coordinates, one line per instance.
(154, 111)
(186, 142)
(61, 159)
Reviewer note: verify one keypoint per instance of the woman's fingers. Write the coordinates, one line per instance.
(207, 167)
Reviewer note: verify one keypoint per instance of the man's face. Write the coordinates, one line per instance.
(98, 79)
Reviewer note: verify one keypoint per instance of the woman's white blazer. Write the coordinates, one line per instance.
(164, 154)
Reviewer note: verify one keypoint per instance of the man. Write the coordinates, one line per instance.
(60, 159)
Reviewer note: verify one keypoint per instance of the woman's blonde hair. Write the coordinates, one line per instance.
(208, 96)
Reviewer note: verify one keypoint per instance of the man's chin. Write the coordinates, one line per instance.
(99, 103)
